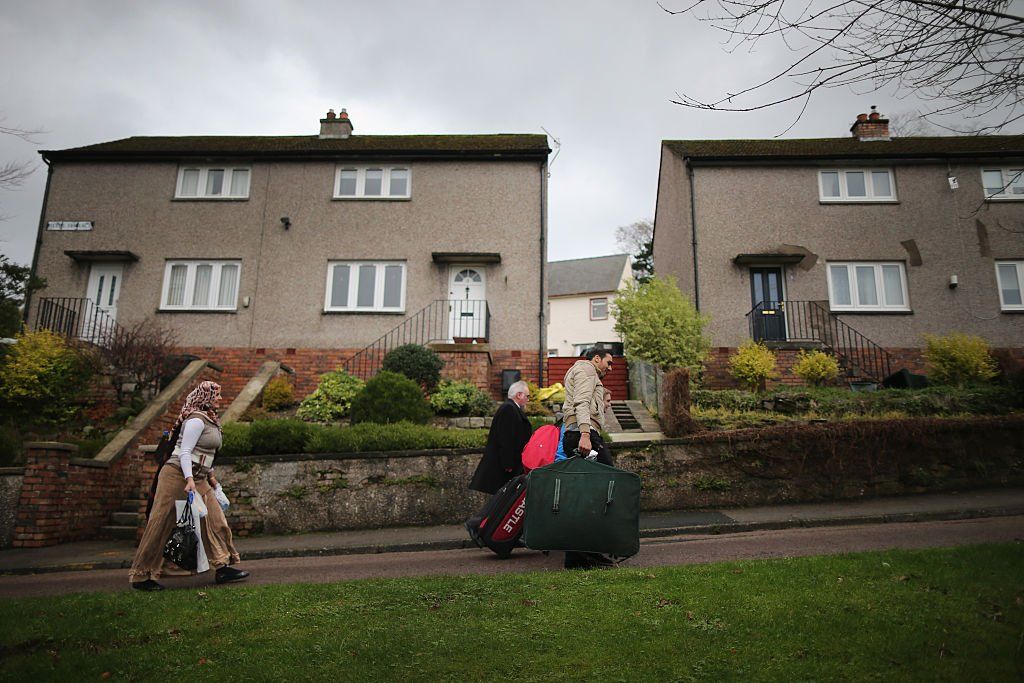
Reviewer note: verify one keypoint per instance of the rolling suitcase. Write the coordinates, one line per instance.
(499, 524)
(580, 505)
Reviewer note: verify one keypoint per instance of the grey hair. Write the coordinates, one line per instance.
(517, 387)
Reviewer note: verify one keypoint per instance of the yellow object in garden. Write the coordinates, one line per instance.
(555, 393)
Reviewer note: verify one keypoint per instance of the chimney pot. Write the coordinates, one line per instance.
(331, 114)
(862, 117)
(336, 127)
(344, 114)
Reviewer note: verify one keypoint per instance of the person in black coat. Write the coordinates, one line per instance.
(503, 455)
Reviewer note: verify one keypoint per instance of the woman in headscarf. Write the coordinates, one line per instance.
(189, 469)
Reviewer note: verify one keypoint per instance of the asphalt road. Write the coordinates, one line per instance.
(678, 550)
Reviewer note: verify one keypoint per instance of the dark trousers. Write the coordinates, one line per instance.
(573, 559)
(572, 441)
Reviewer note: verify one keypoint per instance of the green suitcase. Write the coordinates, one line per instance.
(577, 504)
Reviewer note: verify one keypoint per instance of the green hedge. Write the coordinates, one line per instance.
(828, 402)
(293, 436)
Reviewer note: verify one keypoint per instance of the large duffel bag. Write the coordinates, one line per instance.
(499, 523)
(580, 505)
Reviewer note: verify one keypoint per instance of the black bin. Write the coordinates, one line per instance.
(508, 378)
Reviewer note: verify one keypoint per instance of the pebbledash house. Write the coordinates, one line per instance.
(320, 251)
(858, 245)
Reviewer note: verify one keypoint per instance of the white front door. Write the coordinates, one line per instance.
(105, 288)
(467, 294)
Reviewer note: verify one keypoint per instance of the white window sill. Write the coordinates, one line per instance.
(872, 311)
(197, 310)
(371, 199)
(1018, 198)
(363, 311)
(1012, 309)
(210, 199)
(858, 201)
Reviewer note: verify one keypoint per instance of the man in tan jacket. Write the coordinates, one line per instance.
(585, 405)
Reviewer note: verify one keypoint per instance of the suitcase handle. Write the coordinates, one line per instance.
(611, 488)
(554, 501)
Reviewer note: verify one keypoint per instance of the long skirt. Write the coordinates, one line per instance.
(170, 487)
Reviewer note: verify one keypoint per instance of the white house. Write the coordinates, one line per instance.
(580, 293)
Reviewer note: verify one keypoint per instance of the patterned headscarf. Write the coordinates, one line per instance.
(200, 400)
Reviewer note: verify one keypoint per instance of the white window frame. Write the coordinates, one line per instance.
(385, 187)
(190, 282)
(869, 186)
(1009, 175)
(353, 289)
(204, 171)
(606, 307)
(1020, 283)
(855, 306)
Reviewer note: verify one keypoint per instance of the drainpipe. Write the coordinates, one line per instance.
(39, 238)
(542, 351)
(693, 230)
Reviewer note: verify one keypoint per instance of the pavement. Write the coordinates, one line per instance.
(117, 554)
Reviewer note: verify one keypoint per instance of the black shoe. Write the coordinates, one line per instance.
(229, 574)
(149, 585)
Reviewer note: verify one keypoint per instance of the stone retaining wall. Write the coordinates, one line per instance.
(294, 494)
(11, 479)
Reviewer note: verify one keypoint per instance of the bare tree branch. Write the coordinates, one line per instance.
(965, 59)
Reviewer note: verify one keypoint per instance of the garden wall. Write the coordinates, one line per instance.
(10, 489)
(294, 494)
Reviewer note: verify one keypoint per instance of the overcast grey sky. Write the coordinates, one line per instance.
(597, 74)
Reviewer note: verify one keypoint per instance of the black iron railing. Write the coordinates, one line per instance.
(76, 318)
(812, 322)
(443, 320)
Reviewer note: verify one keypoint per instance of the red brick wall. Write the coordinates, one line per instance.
(240, 364)
(65, 501)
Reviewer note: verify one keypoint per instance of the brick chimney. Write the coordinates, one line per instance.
(335, 126)
(870, 127)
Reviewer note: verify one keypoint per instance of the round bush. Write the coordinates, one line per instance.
(41, 378)
(390, 397)
(959, 359)
(816, 367)
(752, 364)
(418, 363)
(460, 397)
(278, 394)
(332, 398)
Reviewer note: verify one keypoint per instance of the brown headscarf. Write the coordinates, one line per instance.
(200, 400)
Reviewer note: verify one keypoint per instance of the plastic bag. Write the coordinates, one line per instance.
(219, 494)
(202, 564)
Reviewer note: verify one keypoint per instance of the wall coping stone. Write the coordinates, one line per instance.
(51, 446)
(11, 471)
(119, 444)
(366, 455)
(251, 391)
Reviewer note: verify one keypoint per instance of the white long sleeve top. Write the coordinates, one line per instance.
(190, 433)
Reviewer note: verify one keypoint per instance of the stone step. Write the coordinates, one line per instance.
(133, 505)
(112, 531)
(126, 519)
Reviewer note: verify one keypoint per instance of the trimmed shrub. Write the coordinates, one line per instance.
(41, 378)
(369, 436)
(418, 363)
(660, 325)
(236, 440)
(278, 436)
(752, 364)
(332, 398)
(459, 397)
(278, 394)
(959, 359)
(816, 367)
(390, 397)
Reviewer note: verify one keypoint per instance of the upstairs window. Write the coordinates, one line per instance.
(856, 185)
(599, 309)
(365, 286)
(861, 286)
(1003, 183)
(213, 182)
(1010, 276)
(372, 182)
(200, 285)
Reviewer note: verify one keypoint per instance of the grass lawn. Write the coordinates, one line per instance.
(954, 614)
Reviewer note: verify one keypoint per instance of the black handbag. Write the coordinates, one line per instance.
(166, 445)
(182, 547)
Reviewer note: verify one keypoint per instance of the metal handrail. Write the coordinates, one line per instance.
(77, 318)
(811, 321)
(438, 321)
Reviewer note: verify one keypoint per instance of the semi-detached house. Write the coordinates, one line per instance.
(860, 245)
(307, 249)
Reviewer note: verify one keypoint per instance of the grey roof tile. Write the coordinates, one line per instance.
(586, 275)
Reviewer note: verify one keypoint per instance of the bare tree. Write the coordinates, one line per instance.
(14, 173)
(965, 58)
(137, 356)
(637, 238)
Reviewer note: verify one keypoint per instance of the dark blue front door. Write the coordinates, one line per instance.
(769, 315)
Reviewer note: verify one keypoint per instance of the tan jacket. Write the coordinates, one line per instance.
(584, 397)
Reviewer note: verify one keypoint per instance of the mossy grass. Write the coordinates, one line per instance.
(948, 614)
